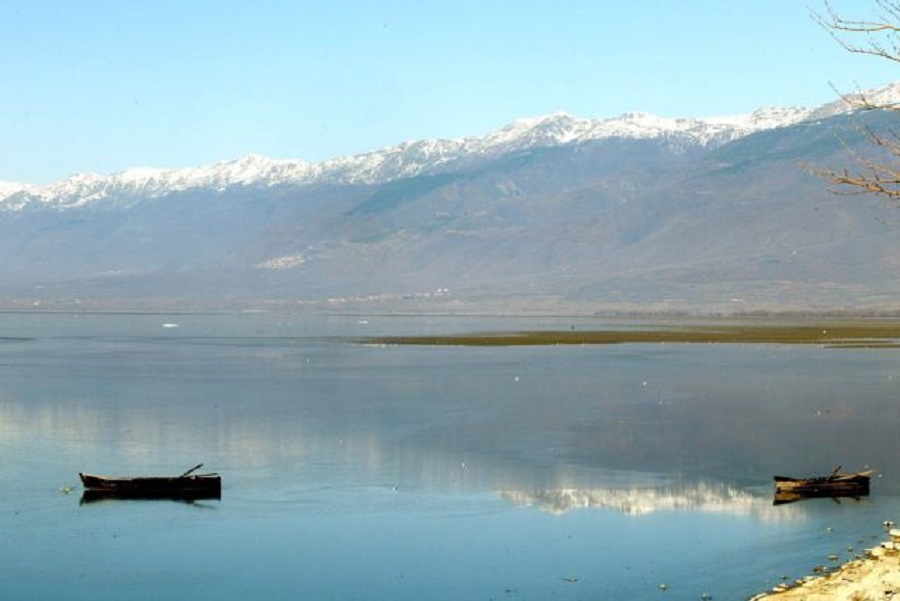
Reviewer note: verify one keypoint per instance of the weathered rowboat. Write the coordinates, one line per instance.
(835, 485)
(187, 485)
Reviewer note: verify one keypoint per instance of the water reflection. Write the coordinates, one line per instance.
(260, 456)
(703, 496)
(731, 414)
(786, 498)
(386, 464)
(190, 497)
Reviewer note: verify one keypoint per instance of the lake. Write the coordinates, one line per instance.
(361, 471)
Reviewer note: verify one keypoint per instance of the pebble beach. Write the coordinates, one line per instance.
(875, 577)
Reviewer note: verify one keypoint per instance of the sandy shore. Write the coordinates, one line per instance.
(873, 578)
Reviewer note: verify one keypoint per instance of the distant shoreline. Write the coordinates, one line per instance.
(378, 309)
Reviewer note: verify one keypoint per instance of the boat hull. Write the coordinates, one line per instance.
(204, 484)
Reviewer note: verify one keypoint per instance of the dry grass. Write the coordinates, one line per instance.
(872, 334)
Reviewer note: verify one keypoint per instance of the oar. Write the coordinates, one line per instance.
(193, 469)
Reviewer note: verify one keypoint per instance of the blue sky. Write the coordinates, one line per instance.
(103, 85)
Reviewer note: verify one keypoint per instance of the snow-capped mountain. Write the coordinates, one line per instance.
(412, 158)
(555, 213)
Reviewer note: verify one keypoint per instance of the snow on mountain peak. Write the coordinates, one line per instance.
(414, 157)
(888, 96)
(10, 188)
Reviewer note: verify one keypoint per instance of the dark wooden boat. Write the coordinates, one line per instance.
(835, 485)
(186, 486)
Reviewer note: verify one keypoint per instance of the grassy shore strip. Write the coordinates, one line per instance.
(841, 335)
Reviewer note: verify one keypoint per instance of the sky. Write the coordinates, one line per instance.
(98, 86)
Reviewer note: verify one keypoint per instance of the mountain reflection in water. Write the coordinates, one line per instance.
(702, 496)
(369, 460)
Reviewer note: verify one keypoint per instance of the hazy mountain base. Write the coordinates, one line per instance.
(82, 297)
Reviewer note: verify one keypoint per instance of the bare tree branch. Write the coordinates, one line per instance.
(881, 41)
(880, 38)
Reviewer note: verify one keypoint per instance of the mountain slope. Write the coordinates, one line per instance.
(561, 221)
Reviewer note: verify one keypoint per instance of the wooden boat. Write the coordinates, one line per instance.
(186, 486)
(835, 485)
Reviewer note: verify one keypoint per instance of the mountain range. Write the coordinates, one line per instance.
(547, 214)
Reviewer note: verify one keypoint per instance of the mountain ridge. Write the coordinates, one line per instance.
(543, 218)
(412, 158)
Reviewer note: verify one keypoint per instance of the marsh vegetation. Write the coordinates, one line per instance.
(849, 334)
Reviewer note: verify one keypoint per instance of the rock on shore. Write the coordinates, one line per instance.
(873, 578)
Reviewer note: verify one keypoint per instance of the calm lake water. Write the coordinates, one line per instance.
(442, 473)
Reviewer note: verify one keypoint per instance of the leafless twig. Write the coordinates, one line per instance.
(880, 38)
